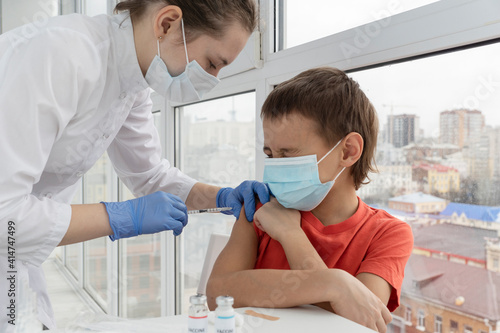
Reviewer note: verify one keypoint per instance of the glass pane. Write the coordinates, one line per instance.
(442, 177)
(97, 187)
(217, 146)
(68, 6)
(143, 283)
(15, 13)
(305, 22)
(72, 258)
(73, 250)
(141, 264)
(95, 7)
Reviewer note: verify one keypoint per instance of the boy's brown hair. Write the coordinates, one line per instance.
(336, 104)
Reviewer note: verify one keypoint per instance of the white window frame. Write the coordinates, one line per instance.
(438, 324)
(420, 320)
(408, 315)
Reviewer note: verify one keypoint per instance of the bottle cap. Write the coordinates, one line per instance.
(198, 299)
(224, 300)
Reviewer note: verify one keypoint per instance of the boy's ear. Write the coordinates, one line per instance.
(352, 148)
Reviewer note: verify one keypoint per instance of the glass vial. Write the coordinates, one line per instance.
(224, 315)
(198, 314)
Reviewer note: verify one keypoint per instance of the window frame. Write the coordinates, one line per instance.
(438, 324)
(420, 320)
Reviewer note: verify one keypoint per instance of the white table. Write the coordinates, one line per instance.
(301, 319)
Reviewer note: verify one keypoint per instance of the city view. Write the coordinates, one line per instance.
(448, 189)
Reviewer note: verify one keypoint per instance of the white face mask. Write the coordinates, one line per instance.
(190, 86)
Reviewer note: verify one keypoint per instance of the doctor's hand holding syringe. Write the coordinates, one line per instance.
(158, 212)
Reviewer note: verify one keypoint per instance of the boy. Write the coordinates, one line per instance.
(326, 247)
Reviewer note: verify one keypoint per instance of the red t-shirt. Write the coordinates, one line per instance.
(370, 241)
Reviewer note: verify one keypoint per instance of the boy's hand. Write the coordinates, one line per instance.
(357, 303)
(276, 220)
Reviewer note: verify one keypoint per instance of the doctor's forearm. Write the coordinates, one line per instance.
(87, 222)
(202, 196)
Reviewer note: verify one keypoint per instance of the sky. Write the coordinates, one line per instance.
(464, 79)
(427, 86)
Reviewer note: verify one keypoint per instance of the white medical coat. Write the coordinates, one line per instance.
(69, 91)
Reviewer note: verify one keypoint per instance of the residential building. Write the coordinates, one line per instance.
(485, 217)
(460, 127)
(446, 241)
(437, 178)
(493, 255)
(418, 203)
(394, 179)
(402, 129)
(447, 297)
(495, 148)
(428, 150)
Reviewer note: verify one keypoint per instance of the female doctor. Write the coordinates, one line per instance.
(80, 86)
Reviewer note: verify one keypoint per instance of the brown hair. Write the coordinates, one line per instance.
(201, 16)
(338, 106)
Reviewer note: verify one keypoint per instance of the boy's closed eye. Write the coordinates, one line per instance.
(282, 152)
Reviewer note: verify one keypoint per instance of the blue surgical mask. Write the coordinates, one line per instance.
(294, 181)
(190, 86)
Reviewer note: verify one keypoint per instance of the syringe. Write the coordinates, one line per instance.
(209, 210)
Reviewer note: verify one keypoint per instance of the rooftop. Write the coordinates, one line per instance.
(450, 238)
(417, 197)
(473, 212)
(436, 167)
(441, 282)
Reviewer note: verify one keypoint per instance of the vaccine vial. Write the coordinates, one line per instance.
(224, 315)
(198, 314)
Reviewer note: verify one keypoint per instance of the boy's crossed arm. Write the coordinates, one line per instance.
(308, 282)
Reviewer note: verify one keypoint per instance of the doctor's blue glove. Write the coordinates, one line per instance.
(244, 193)
(150, 214)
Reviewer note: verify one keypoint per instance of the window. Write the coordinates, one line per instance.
(96, 7)
(453, 326)
(421, 320)
(323, 18)
(74, 251)
(467, 329)
(216, 146)
(140, 258)
(67, 7)
(98, 186)
(408, 315)
(471, 94)
(144, 283)
(17, 13)
(438, 324)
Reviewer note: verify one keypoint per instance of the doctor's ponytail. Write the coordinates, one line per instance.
(201, 16)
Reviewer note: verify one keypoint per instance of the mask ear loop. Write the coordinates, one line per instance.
(329, 152)
(334, 179)
(158, 44)
(184, 38)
